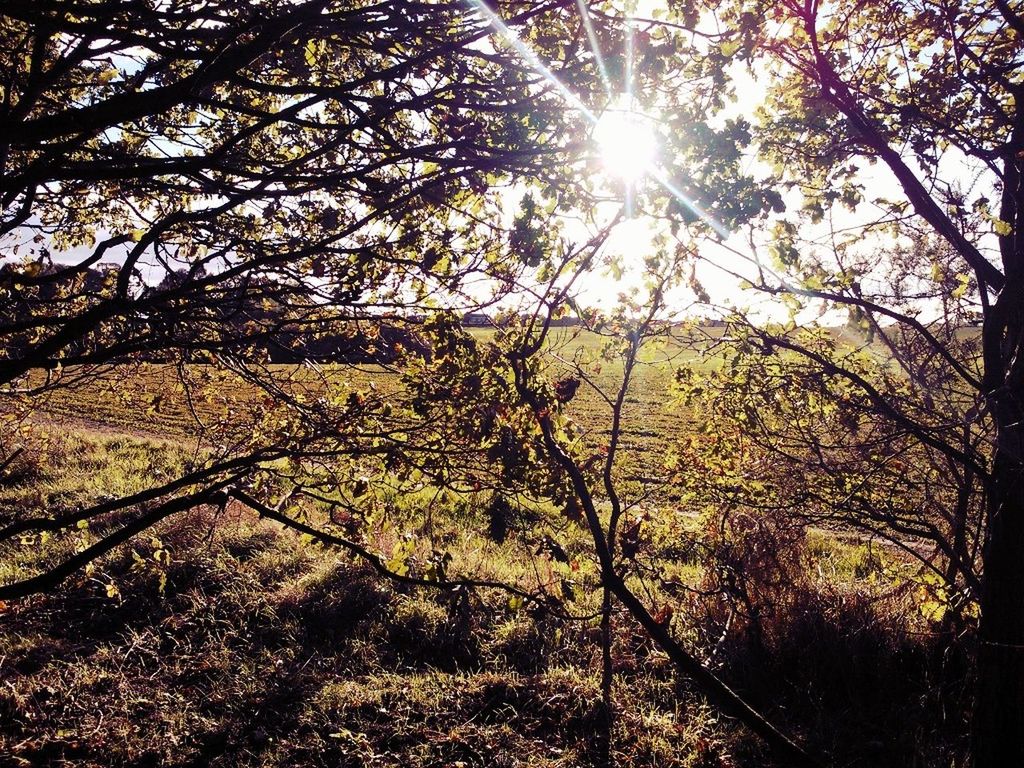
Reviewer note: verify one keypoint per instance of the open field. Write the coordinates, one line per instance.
(109, 395)
(472, 384)
(225, 641)
(183, 403)
(219, 639)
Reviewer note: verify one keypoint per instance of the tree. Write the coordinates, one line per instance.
(200, 181)
(538, 451)
(215, 184)
(193, 182)
(350, 145)
(929, 93)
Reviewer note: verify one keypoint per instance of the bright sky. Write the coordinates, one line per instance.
(626, 148)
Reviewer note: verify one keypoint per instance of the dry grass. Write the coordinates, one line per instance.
(248, 648)
(245, 646)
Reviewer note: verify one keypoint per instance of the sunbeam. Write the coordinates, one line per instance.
(672, 189)
(595, 46)
(627, 88)
(627, 79)
(646, 165)
(531, 58)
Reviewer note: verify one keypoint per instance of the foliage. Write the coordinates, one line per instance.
(215, 185)
(224, 184)
(931, 94)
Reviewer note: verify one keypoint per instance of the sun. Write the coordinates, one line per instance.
(626, 140)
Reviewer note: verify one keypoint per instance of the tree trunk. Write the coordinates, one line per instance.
(999, 709)
(998, 728)
(607, 724)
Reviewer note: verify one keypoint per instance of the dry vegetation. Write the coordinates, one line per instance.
(219, 639)
(225, 641)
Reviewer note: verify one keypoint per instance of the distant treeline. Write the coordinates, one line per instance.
(260, 318)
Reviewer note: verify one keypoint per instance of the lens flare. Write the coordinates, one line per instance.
(595, 46)
(628, 144)
(528, 56)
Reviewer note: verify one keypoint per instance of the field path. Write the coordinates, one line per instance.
(55, 419)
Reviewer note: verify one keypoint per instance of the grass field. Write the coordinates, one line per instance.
(164, 401)
(220, 639)
(108, 395)
(243, 645)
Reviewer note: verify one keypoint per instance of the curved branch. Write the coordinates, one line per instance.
(51, 579)
(837, 92)
(710, 685)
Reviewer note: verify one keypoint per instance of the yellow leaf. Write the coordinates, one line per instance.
(963, 281)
